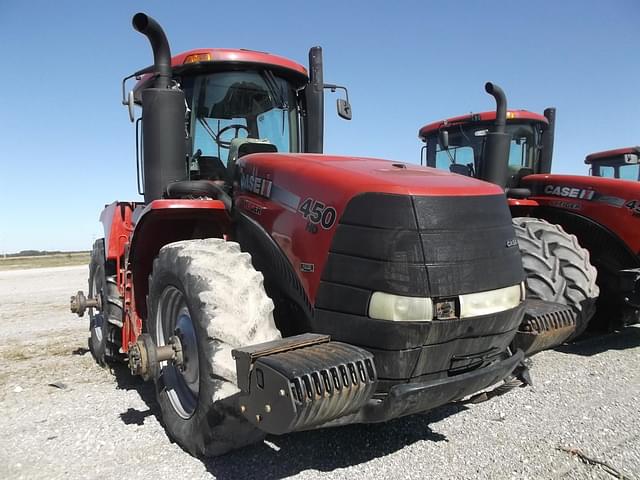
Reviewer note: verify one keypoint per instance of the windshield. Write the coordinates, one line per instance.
(617, 170)
(466, 147)
(242, 104)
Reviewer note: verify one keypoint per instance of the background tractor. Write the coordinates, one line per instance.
(566, 224)
(346, 289)
(621, 163)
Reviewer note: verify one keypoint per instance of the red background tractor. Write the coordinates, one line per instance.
(557, 217)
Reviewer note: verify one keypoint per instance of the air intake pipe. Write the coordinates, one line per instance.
(163, 116)
(314, 99)
(496, 151)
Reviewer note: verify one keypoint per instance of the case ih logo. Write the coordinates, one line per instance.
(569, 192)
(250, 182)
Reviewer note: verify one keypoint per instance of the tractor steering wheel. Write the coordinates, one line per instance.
(237, 127)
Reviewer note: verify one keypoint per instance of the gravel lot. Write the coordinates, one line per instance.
(99, 424)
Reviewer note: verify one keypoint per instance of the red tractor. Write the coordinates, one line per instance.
(621, 163)
(566, 224)
(346, 289)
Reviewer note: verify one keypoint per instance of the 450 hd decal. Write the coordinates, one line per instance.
(634, 206)
(317, 213)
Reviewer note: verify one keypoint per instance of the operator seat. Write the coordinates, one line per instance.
(244, 146)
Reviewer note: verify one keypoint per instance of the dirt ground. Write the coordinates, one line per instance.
(65, 417)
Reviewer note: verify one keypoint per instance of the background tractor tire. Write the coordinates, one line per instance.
(104, 325)
(208, 294)
(558, 269)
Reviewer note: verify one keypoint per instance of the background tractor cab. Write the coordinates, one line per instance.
(603, 214)
(621, 163)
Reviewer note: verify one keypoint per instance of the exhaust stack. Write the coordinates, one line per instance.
(163, 114)
(546, 156)
(314, 99)
(496, 157)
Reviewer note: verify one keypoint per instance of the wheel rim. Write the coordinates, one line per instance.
(182, 384)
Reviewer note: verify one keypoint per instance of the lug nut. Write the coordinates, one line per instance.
(258, 418)
(282, 393)
(243, 408)
(267, 408)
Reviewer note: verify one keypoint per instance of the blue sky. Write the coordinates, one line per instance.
(67, 147)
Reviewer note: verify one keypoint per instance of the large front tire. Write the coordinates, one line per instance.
(558, 269)
(208, 294)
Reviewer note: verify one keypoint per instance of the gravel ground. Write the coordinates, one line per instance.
(102, 424)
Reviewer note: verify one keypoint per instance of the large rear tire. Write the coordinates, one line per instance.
(105, 324)
(208, 294)
(558, 269)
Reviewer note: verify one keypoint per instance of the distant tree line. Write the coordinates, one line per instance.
(37, 253)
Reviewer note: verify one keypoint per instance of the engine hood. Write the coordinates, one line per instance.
(360, 174)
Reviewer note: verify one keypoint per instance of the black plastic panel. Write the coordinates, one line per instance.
(456, 246)
(461, 213)
(380, 210)
(375, 275)
(387, 335)
(343, 298)
(394, 245)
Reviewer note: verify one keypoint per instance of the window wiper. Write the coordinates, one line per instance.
(275, 90)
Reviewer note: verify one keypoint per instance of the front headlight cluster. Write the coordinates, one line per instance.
(385, 306)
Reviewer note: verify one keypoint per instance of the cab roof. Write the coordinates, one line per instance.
(607, 154)
(512, 115)
(210, 57)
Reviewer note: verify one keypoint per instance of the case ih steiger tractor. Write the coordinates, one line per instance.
(566, 224)
(346, 289)
(621, 163)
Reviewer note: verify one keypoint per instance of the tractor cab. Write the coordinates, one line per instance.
(235, 102)
(458, 144)
(621, 163)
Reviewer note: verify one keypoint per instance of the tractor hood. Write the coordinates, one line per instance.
(348, 176)
(303, 200)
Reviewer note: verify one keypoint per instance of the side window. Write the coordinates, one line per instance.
(630, 172)
(517, 154)
(608, 172)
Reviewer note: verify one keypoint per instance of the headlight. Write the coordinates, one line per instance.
(493, 301)
(384, 306)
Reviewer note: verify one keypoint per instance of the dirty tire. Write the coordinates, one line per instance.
(558, 269)
(214, 286)
(104, 326)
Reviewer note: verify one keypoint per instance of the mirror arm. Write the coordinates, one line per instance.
(333, 88)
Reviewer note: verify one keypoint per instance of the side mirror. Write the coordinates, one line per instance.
(461, 169)
(344, 109)
(443, 139)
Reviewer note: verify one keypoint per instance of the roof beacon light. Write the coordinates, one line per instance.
(197, 58)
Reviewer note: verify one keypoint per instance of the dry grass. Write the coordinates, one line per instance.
(54, 260)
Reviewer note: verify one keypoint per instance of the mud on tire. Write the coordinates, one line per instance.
(105, 325)
(558, 269)
(212, 286)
